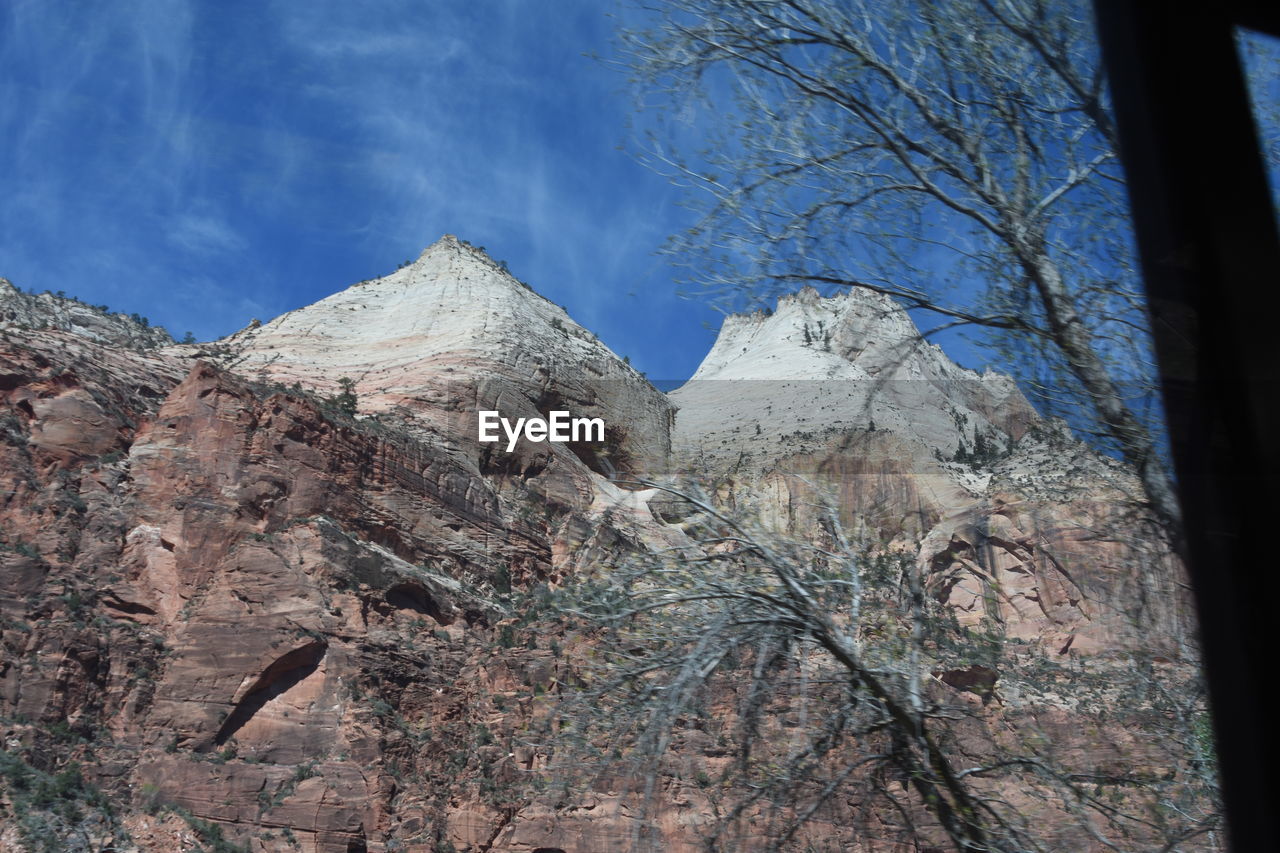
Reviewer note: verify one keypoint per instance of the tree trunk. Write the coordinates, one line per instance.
(1077, 345)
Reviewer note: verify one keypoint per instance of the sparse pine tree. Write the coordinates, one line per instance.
(346, 399)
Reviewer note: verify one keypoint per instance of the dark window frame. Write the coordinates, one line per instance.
(1210, 255)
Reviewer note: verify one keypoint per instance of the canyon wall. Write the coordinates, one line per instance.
(245, 608)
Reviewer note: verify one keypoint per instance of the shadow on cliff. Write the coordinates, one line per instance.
(276, 679)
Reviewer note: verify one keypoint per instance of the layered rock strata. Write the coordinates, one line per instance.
(840, 402)
(245, 609)
(453, 333)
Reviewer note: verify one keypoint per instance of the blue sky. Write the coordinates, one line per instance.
(203, 163)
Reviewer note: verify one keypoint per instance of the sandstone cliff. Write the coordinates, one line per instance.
(454, 332)
(841, 401)
(242, 610)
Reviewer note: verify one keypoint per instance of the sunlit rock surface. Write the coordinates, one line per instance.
(839, 401)
(309, 627)
(454, 332)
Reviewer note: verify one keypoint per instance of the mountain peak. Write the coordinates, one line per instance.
(855, 334)
(454, 257)
(446, 331)
(453, 244)
(453, 299)
(854, 361)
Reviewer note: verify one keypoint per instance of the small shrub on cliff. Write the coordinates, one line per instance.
(27, 550)
(502, 580)
(15, 770)
(211, 837)
(54, 810)
(304, 771)
(149, 798)
(345, 401)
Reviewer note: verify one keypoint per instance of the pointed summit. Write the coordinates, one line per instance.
(450, 245)
(827, 366)
(853, 335)
(445, 332)
(453, 303)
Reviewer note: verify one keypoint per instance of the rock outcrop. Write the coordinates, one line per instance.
(829, 366)
(26, 312)
(839, 401)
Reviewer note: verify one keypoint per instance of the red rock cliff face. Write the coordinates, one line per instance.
(282, 550)
(241, 601)
(295, 627)
(247, 606)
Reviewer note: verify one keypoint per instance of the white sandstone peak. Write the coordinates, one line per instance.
(453, 301)
(819, 367)
(853, 335)
(445, 331)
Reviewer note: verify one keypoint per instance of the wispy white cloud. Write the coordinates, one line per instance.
(204, 232)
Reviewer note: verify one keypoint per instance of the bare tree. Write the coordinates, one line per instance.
(849, 705)
(956, 154)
